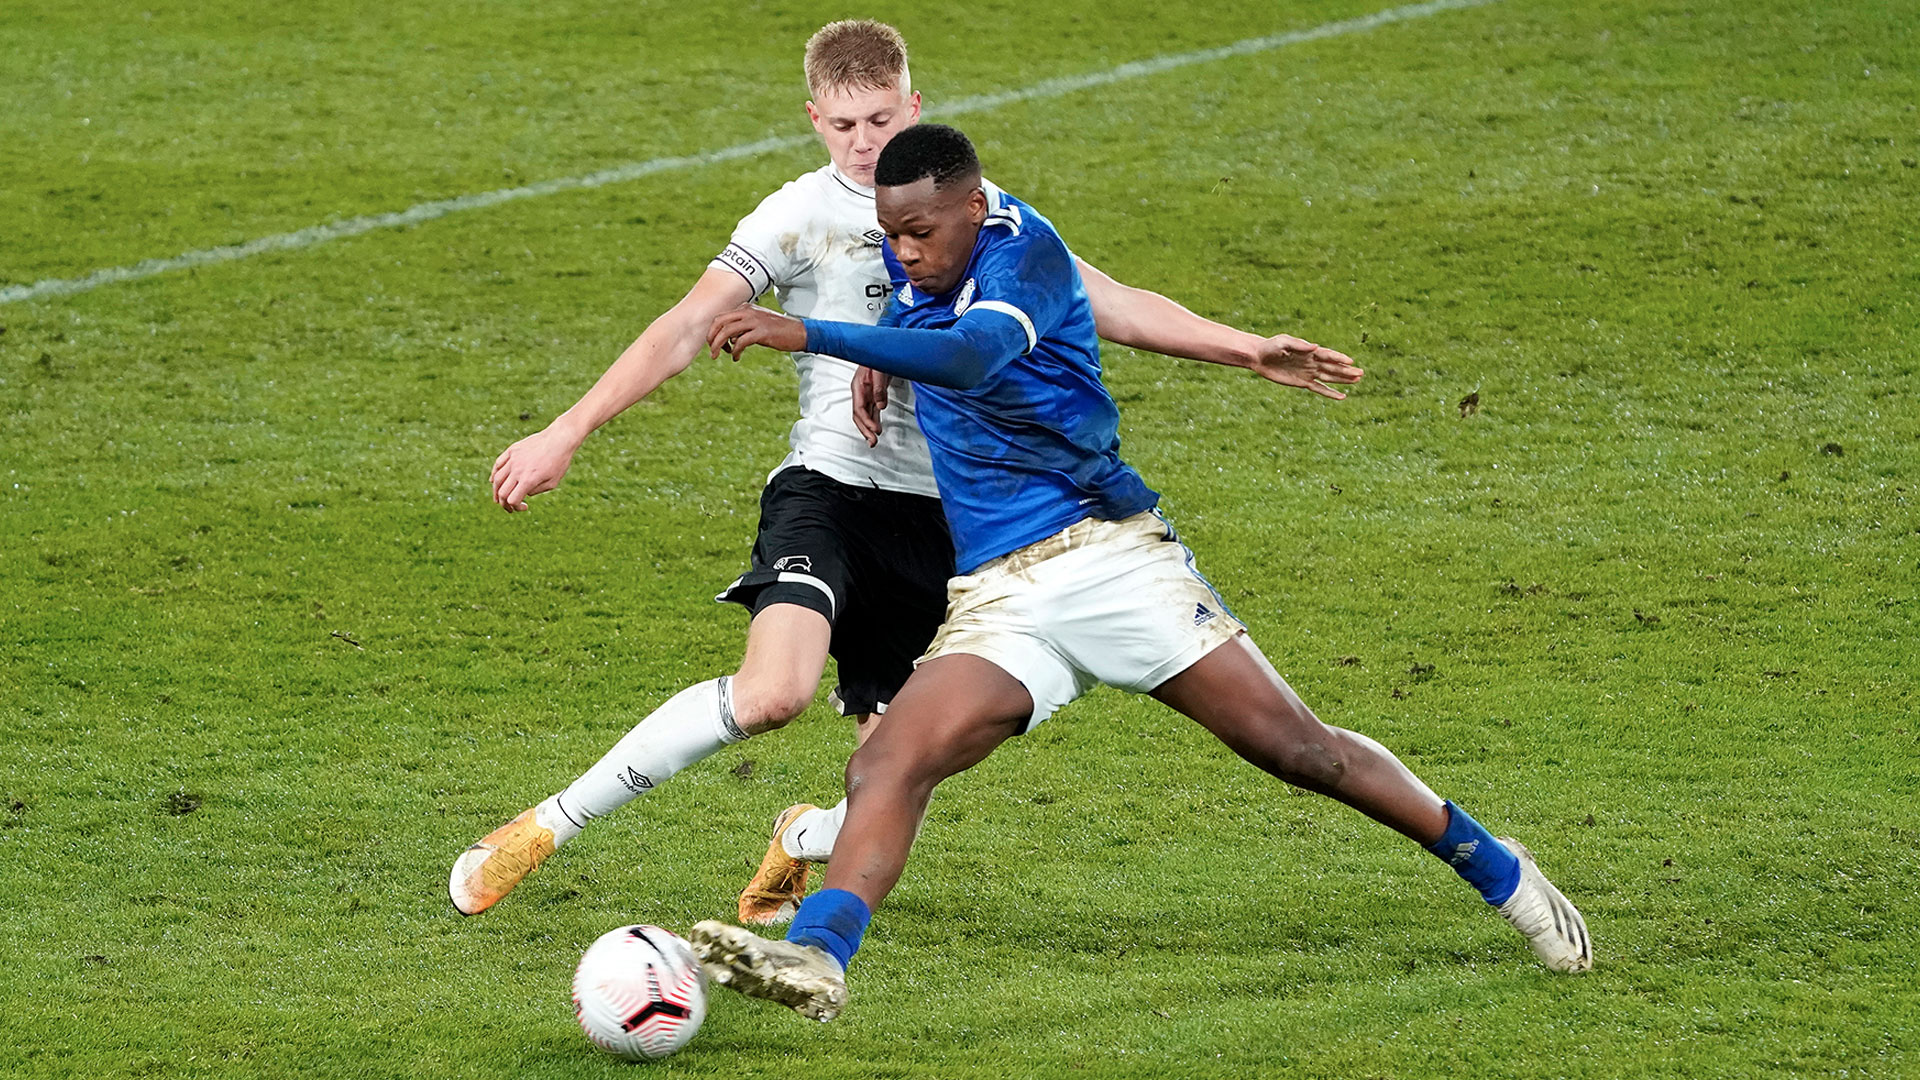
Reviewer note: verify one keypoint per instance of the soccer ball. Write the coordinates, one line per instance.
(640, 993)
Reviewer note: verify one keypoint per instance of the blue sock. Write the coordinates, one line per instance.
(1476, 856)
(833, 920)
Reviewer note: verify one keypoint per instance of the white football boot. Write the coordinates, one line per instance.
(801, 977)
(1551, 925)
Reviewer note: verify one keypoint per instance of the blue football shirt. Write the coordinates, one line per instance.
(1035, 446)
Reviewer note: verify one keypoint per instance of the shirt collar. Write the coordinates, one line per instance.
(996, 199)
(848, 183)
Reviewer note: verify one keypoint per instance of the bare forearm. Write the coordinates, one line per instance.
(1156, 324)
(1146, 320)
(1141, 319)
(663, 350)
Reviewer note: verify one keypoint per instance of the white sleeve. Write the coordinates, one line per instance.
(765, 246)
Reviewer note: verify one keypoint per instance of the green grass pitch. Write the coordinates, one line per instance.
(269, 658)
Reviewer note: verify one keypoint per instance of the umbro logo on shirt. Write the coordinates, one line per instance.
(874, 237)
(1201, 615)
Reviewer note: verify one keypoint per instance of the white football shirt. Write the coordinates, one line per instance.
(816, 244)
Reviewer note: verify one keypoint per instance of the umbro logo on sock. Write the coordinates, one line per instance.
(636, 781)
(1201, 614)
(1464, 852)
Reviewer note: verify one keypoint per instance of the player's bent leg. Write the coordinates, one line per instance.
(952, 713)
(786, 654)
(1236, 694)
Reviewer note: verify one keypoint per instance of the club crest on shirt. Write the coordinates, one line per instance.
(798, 563)
(965, 299)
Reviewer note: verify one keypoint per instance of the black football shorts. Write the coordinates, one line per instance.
(874, 562)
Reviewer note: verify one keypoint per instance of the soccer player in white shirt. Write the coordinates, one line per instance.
(852, 555)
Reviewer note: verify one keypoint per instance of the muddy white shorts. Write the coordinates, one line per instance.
(1115, 602)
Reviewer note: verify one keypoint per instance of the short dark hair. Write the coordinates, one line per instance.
(925, 150)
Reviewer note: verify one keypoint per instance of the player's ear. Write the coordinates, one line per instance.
(813, 114)
(977, 205)
(913, 107)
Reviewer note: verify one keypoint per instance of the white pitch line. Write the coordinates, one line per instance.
(427, 211)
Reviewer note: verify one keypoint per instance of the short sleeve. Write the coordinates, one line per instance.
(1029, 279)
(765, 245)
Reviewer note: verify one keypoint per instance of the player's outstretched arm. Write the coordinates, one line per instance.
(537, 463)
(1142, 319)
(959, 358)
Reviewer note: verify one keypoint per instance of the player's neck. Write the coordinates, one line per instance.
(857, 187)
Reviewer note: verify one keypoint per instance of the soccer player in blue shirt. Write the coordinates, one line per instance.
(1067, 576)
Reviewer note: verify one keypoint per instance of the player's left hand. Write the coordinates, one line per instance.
(869, 401)
(1292, 361)
(735, 331)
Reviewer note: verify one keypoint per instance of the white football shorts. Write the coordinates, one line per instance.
(1115, 602)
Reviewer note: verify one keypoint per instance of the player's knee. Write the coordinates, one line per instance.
(1314, 764)
(762, 704)
(873, 769)
(1291, 743)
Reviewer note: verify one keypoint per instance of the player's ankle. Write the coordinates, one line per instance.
(833, 921)
(811, 835)
(551, 816)
(1484, 862)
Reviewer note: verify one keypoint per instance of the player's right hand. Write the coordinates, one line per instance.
(533, 465)
(869, 400)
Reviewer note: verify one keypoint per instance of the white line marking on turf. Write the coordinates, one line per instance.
(427, 211)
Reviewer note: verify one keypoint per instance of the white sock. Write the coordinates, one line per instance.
(692, 725)
(812, 834)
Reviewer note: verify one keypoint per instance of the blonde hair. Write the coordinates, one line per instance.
(856, 54)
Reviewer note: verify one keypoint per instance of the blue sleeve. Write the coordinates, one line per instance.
(960, 358)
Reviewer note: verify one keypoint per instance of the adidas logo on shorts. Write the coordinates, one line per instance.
(1201, 615)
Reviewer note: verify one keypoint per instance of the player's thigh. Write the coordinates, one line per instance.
(787, 641)
(1237, 695)
(786, 655)
(949, 716)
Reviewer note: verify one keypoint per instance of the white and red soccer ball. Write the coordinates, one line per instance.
(640, 993)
